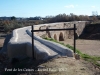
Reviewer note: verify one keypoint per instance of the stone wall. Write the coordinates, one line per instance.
(63, 35)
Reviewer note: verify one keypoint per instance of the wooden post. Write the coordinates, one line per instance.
(74, 38)
(32, 42)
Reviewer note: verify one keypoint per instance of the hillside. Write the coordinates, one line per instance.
(91, 32)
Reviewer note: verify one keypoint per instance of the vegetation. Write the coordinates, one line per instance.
(14, 22)
(13, 18)
(92, 59)
(10, 27)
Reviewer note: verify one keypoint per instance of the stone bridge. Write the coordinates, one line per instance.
(20, 44)
(62, 35)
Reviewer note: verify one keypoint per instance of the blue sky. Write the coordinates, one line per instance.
(32, 8)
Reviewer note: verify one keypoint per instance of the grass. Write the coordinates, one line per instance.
(92, 59)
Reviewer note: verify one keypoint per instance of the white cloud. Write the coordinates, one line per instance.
(93, 6)
(70, 6)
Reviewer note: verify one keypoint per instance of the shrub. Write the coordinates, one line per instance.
(10, 27)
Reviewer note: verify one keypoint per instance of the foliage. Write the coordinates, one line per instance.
(15, 23)
(10, 27)
(13, 18)
(71, 17)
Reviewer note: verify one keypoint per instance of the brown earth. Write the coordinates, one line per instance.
(91, 31)
(66, 65)
(69, 66)
(90, 47)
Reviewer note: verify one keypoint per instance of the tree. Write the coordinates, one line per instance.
(94, 13)
(13, 18)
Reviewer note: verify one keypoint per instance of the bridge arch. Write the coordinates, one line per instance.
(61, 37)
(55, 36)
(48, 33)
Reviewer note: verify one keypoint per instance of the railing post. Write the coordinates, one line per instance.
(74, 38)
(32, 42)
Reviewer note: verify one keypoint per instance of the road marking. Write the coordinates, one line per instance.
(16, 35)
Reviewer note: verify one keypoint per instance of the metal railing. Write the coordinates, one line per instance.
(74, 30)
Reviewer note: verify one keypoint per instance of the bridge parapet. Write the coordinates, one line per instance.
(64, 35)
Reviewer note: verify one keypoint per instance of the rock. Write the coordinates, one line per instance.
(82, 69)
(77, 56)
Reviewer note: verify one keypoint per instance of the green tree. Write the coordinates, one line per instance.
(13, 18)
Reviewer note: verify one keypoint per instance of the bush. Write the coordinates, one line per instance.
(11, 27)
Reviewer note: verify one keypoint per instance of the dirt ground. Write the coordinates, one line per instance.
(69, 65)
(90, 47)
(1, 42)
(76, 67)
